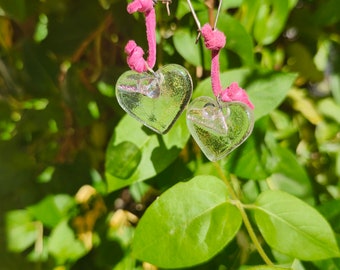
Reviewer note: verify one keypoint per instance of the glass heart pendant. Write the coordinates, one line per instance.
(156, 99)
(219, 127)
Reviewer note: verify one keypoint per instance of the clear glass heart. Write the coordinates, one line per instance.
(219, 127)
(155, 98)
(147, 84)
(210, 116)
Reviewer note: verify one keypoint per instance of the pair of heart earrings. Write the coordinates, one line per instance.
(158, 98)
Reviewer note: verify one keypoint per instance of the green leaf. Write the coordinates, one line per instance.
(63, 244)
(267, 18)
(329, 109)
(294, 228)
(52, 209)
(187, 225)
(328, 14)
(292, 3)
(238, 40)
(333, 264)
(22, 232)
(270, 20)
(250, 160)
(231, 4)
(135, 154)
(331, 211)
(123, 160)
(14, 8)
(266, 89)
(264, 267)
(249, 12)
(303, 62)
(287, 173)
(184, 41)
(183, 7)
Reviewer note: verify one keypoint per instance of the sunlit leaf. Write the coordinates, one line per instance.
(41, 31)
(136, 153)
(238, 40)
(231, 4)
(330, 109)
(183, 7)
(266, 89)
(270, 19)
(63, 244)
(305, 105)
(22, 232)
(292, 227)
(184, 41)
(52, 209)
(191, 214)
(264, 267)
(249, 10)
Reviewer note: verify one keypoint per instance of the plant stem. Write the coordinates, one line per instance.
(226, 181)
(245, 218)
(252, 234)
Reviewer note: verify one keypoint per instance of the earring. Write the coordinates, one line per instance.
(219, 125)
(155, 98)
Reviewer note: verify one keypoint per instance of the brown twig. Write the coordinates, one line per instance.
(210, 4)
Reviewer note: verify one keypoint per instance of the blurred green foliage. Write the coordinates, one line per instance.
(70, 200)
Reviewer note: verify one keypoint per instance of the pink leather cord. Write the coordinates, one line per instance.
(135, 53)
(215, 40)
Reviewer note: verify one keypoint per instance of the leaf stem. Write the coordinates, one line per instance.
(252, 234)
(230, 188)
(245, 218)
